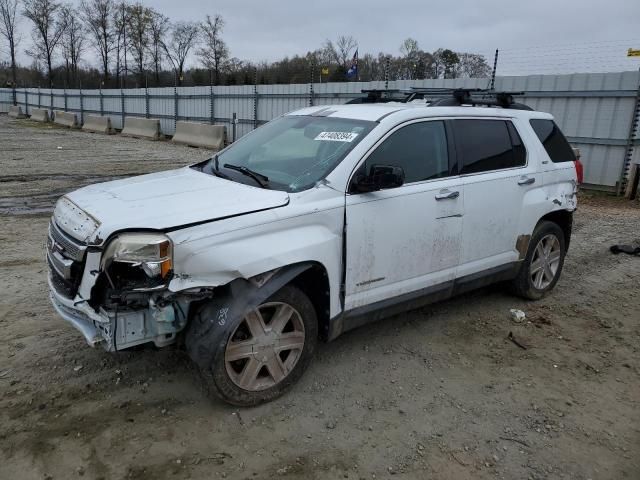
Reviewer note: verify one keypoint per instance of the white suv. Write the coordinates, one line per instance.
(320, 221)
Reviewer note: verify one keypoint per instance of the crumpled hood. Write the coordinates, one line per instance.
(168, 199)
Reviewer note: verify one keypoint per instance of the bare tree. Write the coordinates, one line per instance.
(46, 32)
(138, 26)
(472, 65)
(445, 62)
(159, 26)
(372, 68)
(414, 63)
(214, 52)
(120, 19)
(72, 42)
(183, 37)
(8, 23)
(342, 51)
(98, 16)
(411, 53)
(322, 57)
(233, 68)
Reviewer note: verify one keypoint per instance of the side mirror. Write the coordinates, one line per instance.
(380, 177)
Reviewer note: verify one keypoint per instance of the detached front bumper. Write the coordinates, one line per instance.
(154, 316)
(118, 330)
(94, 327)
(75, 317)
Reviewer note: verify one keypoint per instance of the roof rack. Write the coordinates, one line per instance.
(377, 95)
(452, 97)
(444, 97)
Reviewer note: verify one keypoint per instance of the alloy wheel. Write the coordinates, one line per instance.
(265, 347)
(545, 261)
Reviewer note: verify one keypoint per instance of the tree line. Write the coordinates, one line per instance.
(118, 44)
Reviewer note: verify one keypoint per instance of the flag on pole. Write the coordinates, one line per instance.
(353, 70)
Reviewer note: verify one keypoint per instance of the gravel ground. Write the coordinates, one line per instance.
(439, 392)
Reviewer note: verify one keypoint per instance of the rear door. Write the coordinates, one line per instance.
(496, 176)
(405, 239)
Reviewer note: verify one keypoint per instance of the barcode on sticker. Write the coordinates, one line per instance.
(336, 136)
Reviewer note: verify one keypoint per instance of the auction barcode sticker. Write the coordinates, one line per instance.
(336, 136)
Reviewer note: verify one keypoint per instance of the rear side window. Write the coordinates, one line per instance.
(487, 145)
(553, 140)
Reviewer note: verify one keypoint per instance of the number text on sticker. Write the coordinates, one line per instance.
(336, 136)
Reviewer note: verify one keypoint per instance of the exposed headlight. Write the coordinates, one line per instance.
(150, 251)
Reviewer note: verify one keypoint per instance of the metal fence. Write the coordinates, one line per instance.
(596, 111)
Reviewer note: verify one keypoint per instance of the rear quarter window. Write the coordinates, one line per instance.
(553, 140)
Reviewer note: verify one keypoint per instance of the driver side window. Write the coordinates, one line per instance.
(420, 149)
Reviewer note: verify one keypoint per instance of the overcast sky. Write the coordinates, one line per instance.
(543, 34)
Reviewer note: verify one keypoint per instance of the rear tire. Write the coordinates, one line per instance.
(543, 263)
(258, 357)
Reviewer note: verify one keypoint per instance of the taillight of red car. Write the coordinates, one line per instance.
(579, 170)
(578, 164)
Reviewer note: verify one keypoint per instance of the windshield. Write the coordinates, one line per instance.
(290, 153)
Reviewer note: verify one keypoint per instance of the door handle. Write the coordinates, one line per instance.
(446, 194)
(526, 180)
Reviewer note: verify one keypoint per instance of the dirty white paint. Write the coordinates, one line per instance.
(167, 199)
(308, 229)
(398, 241)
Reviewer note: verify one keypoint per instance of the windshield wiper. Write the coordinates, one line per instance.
(260, 179)
(216, 170)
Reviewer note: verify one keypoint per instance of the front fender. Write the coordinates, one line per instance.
(213, 255)
(209, 328)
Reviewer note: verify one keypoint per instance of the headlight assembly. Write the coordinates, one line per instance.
(75, 221)
(150, 252)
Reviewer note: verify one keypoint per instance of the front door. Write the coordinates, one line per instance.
(405, 239)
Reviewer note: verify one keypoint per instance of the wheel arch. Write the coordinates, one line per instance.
(229, 302)
(314, 282)
(562, 218)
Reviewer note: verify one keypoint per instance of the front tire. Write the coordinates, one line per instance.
(543, 263)
(259, 356)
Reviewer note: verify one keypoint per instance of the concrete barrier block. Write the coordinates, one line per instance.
(200, 135)
(66, 119)
(15, 111)
(141, 128)
(39, 114)
(97, 124)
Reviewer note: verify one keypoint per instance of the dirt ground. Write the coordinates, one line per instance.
(435, 393)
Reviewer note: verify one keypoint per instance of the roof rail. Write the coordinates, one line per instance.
(379, 95)
(451, 97)
(444, 97)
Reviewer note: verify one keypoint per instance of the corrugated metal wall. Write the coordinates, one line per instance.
(594, 110)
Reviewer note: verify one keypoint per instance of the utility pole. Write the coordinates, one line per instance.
(311, 75)
(386, 74)
(255, 98)
(630, 177)
(493, 73)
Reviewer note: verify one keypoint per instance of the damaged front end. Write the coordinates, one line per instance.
(116, 297)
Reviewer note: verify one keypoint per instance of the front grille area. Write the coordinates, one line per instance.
(62, 286)
(71, 248)
(66, 283)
